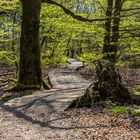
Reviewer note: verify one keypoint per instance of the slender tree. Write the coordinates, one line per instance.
(107, 37)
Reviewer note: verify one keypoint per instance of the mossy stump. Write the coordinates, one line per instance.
(109, 86)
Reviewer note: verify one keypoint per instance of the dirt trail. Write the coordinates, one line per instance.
(27, 117)
(67, 85)
(41, 116)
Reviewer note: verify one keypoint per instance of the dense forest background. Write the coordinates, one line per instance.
(61, 36)
(70, 69)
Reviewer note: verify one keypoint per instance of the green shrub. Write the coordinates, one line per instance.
(89, 57)
(7, 58)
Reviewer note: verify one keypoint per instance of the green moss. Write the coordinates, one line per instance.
(120, 110)
(136, 90)
(46, 85)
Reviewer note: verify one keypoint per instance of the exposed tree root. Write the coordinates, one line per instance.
(19, 87)
(108, 86)
(9, 96)
(81, 67)
(45, 84)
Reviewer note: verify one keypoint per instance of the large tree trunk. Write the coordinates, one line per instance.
(30, 73)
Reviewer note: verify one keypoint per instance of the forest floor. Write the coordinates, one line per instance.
(41, 116)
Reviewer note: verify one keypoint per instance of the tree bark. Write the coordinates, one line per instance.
(115, 29)
(107, 37)
(30, 73)
(111, 38)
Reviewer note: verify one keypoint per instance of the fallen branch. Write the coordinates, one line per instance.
(7, 80)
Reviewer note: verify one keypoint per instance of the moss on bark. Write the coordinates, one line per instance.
(47, 84)
(20, 87)
(109, 86)
(30, 73)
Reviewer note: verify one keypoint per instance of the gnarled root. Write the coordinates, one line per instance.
(45, 84)
(108, 86)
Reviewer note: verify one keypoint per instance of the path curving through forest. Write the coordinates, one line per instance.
(67, 85)
(41, 116)
(19, 116)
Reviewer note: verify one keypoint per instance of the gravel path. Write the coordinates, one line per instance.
(18, 117)
(67, 85)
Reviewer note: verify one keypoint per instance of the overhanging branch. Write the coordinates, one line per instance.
(72, 14)
(80, 18)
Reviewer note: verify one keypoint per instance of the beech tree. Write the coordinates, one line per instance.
(30, 74)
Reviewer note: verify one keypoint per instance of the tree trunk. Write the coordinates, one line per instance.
(111, 38)
(107, 37)
(30, 73)
(13, 41)
(109, 84)
(115, 29)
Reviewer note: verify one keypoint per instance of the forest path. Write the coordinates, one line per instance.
(28, 117)
(67, 85)
(41, 116)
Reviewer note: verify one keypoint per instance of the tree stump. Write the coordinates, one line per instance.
(109, 86)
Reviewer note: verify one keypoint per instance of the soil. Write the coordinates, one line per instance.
(130, 76)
